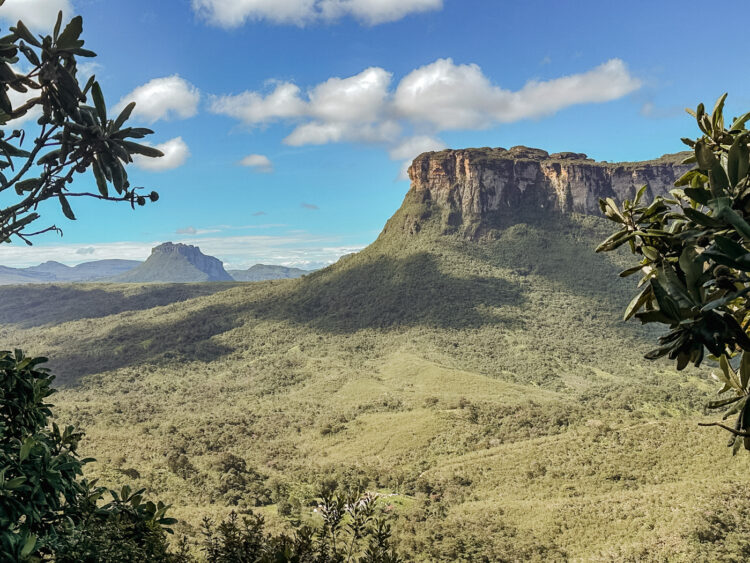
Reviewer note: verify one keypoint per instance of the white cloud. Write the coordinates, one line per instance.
(176, 152)
(234, 13)
(258, 162)
(411, 148)
(339, 109)
(441, 96)
(39, 15)
(449, 96)
(86, 251)
(253, 108)
(17, 99)
(373, 12)
(301, 250)
(163, 98)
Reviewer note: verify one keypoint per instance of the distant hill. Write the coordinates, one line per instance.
(52, 271)
(263, 272)
(170, 263)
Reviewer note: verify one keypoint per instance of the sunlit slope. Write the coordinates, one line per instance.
(490, 383)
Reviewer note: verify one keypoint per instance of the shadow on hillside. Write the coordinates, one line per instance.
(562, 250)
(384, 293)
(27, 306)
(387, 293)
(136, 343)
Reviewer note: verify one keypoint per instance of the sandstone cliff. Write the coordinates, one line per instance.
(472, 187)
(171, 262)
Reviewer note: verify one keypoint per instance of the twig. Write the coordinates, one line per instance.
(727, 428)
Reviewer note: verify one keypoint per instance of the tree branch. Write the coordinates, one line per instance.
(727, 428)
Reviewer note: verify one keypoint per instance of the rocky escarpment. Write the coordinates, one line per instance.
(475, 187)
(171, 262)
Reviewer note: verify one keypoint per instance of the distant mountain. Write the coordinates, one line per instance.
(176, 263)
(262, 272)
(52, 271)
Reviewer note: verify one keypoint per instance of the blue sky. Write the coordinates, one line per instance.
(287, 123)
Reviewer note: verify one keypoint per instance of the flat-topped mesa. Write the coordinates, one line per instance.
(474, 185)
(176, 263)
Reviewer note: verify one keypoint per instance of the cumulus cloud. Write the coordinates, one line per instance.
(449, 96)
(37, 14)
(258, 162)
(412, 147)
(440, 96)
(176, 152)
(310, 206)
(163, 98)
(339, 109)
(254, 108)
(234, 13)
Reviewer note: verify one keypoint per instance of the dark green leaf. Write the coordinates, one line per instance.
(68, 39)
(124, 115)
(101, 182)
(101, 108)
(135, 148)
(67, 211)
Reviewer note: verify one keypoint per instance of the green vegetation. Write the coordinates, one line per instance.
(695, 262)
(73, 137)
(47, 510)
(413, 369)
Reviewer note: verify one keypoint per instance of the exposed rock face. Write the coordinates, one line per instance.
(474, 184)
(171, 262)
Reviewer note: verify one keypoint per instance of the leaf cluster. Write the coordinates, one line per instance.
(75, 132)
(351, 532)
(46, 506)
(694, 250)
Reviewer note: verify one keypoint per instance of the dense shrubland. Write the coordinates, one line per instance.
(460, 422)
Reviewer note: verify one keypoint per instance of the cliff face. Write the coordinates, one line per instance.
(171, 262)
(473, 185)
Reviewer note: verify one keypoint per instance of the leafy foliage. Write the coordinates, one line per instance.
(46, 508)
(75, 132)
(351, 532)
(696, 259)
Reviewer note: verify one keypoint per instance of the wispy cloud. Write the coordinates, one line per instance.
(301, 250)
(259, 213)
(258, 162)
(36, 14)
(310, 206)
(193, 231)
(235, 13)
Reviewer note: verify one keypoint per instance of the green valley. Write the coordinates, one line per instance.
(485, 385)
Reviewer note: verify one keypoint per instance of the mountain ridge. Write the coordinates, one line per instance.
(477, 188)
(176, 263)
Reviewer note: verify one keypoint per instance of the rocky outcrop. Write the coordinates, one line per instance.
(171, 262)
(472, 185)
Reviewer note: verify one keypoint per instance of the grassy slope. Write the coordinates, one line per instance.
(490, 384)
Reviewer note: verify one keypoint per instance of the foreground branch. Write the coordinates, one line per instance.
(727, 428)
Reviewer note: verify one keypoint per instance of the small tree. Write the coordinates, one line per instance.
(47, 508)
(694, 250)
(72, 138)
